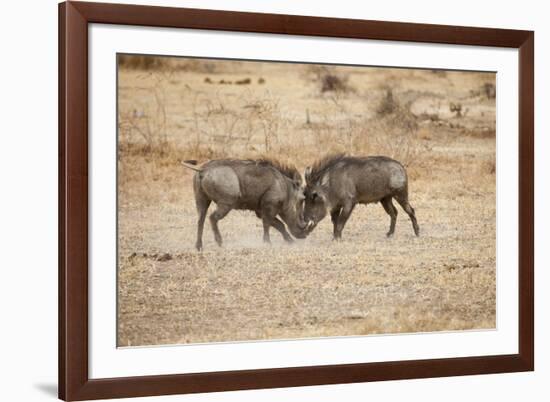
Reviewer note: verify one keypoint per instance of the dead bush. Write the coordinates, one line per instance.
(147, 124)
(396, 114)
(334, 83)
(489, 90)
(440, 73)
(489, 167)
(392, 134)
(456, 108)
(388, 104)
(142, 62)
(396, 139)
(244, 81)
(166, 63)
(240, 122)
(329, 79)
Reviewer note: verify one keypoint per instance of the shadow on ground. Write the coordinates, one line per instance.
(48, 389)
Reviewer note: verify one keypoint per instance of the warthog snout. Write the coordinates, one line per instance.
(305, 229)
(310, 225)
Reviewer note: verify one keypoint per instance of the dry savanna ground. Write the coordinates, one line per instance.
(440, 125)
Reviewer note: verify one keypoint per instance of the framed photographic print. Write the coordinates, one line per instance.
(259, 200)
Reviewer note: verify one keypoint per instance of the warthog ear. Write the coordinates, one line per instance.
(307, 174)
(297, 179)
(325, 180)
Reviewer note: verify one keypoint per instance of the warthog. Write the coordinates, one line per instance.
(266, 187)
(337, 183)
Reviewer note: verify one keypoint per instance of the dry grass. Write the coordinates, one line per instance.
(444, 280)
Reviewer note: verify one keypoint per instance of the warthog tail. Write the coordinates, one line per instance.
(191, 165)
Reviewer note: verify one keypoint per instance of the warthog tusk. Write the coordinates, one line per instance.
(310, 224)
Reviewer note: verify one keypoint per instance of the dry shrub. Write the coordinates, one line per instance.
(489, 167)
(335, 136)
(222, 126)
(250, 124)
(399, 112)
(165, 63)
(242, 122)
(334, 83)
(244, 81)
(147, 126)
(142, 62)
(329, 79)
(481, 132)
(456, 108)
(392, 131)
(333, 131)
(163, 154)
(394, 137)
(489, 90)
(195, 65)
(388, 104)
(439, 73)
(143, 129)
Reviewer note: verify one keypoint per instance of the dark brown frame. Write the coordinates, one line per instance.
(74, 383)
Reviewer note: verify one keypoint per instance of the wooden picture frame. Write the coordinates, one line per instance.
(74, 381)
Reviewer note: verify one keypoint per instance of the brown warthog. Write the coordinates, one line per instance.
(337, 183)
(264, 186)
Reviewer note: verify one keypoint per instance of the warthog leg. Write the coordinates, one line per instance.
(269, 218)
(391, 211)
(202, 208)
(334, 214)
(267, 225)
(280, 227)
(404, 202)
(342, 219)
(218, 214)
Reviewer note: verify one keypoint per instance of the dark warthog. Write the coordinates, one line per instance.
(337, 183)
(266, 187)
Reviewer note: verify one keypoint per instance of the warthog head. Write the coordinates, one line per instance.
(316, 202)
(293, 215)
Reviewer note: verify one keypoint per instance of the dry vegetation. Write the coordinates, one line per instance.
(441, 125)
